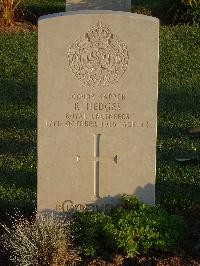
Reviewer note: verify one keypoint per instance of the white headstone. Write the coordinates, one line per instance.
(97, 109)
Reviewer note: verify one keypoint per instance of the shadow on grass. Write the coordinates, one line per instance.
(178, 186)
(18, 178)
(18, 92)
(33, 9)
(17, 188)
(174, 143)
(179, 198)
(177, 132)
(16, 122)
(170, 155)
(18, 104)
(180, 101)
(16, 147)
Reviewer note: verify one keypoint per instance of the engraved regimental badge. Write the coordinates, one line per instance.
(99, 58)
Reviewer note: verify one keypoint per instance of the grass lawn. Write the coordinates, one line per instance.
(18, 83)
(178, 184)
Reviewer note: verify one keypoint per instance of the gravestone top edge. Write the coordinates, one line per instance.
(109, 12)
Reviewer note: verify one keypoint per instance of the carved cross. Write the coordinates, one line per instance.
(96, 160)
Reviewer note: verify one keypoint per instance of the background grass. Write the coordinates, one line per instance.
(178, 185)
(179, 109)
(36, 8)
(18, 79)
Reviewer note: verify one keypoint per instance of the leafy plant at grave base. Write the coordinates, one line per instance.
(133, 229)
(9, 9)
(184, 11)
(46, 240)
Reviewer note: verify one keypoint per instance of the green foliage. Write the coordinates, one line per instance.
(184, 11)
(133, 229)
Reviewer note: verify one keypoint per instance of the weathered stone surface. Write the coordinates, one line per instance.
(97, 109)
(114, 5)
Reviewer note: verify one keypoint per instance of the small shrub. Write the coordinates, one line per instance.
(44, 241)
(184, 12)
(8, 11)
(133, 229)
(142, 10)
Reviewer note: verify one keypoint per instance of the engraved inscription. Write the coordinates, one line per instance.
(99, 110)
(99, 58)
(70, 206)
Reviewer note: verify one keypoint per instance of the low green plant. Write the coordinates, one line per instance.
(46, 240)
(9, 10)
(139, 9)
(132, 229)
(184, 11)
